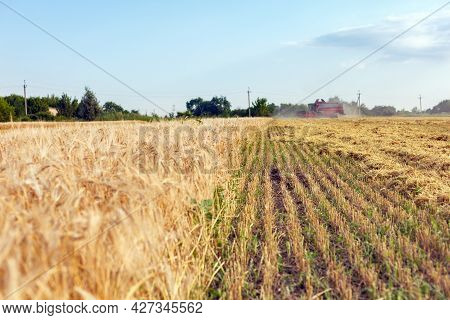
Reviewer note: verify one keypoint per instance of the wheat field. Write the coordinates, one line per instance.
(226, 209)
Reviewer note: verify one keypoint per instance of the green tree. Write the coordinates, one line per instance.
(194, 106)
(272, 108)
(18, 104)
(220, 106)
(51, 101)
(217, 106)
(186, 114)
(36, 105)
(89, 107)
(44, 116)
(74, 107)
(260, 108)
(239, 113)
(66, 107)
(6, 111)
(112, 107)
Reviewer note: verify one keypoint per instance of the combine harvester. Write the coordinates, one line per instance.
(322, 109)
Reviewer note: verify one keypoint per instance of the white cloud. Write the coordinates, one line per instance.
(431, 39)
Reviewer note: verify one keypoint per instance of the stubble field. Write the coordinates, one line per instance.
(226, 209)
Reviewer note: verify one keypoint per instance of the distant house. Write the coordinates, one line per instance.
(53, 111)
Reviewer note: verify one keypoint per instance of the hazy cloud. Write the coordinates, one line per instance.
(292, 43)
(431, 39)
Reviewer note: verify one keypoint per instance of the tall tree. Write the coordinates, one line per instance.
(194, 106)
(18, 104)
(51, 101)
(66, 107)
(220, 106)
(37, 104)
(74, 107)
(6, 111)
(89, 107)
(260, 108)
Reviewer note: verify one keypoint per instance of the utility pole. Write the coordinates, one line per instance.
(420, 100)
(25, 96)
(359, 103)
(249, 103)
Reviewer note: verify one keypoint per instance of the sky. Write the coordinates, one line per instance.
(172, 51)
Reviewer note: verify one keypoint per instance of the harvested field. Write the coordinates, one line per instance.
(273, 209)
(411, 156)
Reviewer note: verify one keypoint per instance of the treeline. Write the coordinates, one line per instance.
(65, 108)
(221, 107)
(351, 108)
(443, 107)
(386, 111)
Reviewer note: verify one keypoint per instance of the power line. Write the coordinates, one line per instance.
(81, 55)
(326, 84)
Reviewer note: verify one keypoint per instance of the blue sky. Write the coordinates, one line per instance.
(172, 51)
